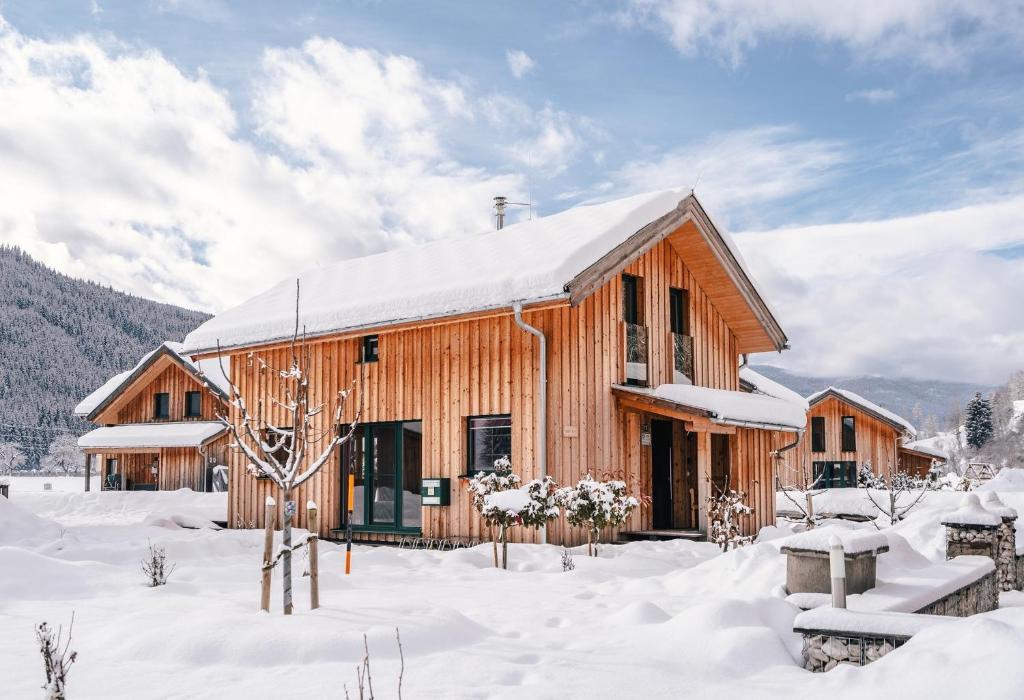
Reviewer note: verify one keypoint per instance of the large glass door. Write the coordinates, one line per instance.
(385, 459)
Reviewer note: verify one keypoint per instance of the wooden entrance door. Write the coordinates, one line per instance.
(661, 474)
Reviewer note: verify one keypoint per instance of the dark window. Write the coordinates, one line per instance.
(369, 353)
(835, 475)
(280, 440)
(490, 438)
(677, 311)
(110, 467)
(817, 434)
(162, 405)
(849, 434)
(631, 307)
(193, 404)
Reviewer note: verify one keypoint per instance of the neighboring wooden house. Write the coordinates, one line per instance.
(623, 323)
(846, 432)
(158, 424)
(920, 457)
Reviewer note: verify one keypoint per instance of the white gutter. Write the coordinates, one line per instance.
(541, 428)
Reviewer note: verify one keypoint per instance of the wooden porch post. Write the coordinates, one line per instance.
(88, 469)
(703, 475)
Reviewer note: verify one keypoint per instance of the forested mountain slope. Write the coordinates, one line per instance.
(60, 338)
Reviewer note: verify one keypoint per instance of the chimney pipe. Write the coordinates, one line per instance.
(499, 211)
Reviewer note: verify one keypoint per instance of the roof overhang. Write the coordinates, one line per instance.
(151, 437)
(923, 453)
(697, 419)
(712, 263)
(831, 393)
(158, 361)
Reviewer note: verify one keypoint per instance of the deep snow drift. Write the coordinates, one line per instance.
(645, 619)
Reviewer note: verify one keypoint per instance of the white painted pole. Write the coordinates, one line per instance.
(837, 568)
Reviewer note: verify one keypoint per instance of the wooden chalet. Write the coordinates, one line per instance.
(847, 431)
(158, 427)
(606, 339)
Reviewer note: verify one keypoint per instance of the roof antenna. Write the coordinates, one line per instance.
(697, 181)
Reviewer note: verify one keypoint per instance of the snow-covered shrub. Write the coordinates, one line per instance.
(723, 510)
(531, 505)
(56, 659)
(867, 479)
(484, 484)
(155, 568)
(594, 505)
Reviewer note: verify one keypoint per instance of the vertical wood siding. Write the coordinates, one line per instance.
(175, 382)
(443, 373)
(876, 440)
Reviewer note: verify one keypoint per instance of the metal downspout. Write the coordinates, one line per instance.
(542, 402)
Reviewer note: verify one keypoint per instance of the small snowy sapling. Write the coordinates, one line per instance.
(57, 659)
(594, 505)
(155, 568)
(484, 484)
(723, 512)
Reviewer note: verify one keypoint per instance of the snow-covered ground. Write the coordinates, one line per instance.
(642, 620)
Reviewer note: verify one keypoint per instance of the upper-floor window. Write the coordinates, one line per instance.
(632, 306)
(677, 304)
(369, 348)
(193, 404)
(817, 434)
(490, 438)
(162, 405)
(849, 434)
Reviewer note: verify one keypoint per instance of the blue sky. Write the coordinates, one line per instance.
(158, 139)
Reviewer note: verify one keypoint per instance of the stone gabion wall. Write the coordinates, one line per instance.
(972, 539)
(1006, 560)
(978, 597)
(823, 652)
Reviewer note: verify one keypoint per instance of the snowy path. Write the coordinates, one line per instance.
(643, 620)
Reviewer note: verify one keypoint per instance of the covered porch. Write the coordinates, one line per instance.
(688, 443)
(154, 456)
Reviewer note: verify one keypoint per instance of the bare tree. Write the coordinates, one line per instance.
(800, 488)
(279, 436)
(900, 500)
(64, 456)
(12, 458)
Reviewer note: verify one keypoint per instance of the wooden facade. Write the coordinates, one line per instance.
(441, 372)
(156, 467)
(877, 441)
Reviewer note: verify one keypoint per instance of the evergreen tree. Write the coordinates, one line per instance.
(979, 421)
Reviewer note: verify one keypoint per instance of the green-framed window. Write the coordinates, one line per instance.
(162, 405)
(817, 433)
(849, 434)
(193, 404)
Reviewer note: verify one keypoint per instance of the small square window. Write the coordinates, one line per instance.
(369, 350)
(193, 404)
(490, 438)
(162, 405)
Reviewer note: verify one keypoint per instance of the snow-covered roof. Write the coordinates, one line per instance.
(768, 387)
(728, 407)
(141, 435)
(865, 405)
(528, 262)
(208, 370)
(927, 447)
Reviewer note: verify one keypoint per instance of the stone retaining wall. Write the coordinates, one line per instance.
(997, 543)
(978, 597)
(1006, 561)
(825, 651)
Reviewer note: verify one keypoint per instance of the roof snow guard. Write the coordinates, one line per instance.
(722, 406)
(562, 258)
(152, 435)
(873, 409)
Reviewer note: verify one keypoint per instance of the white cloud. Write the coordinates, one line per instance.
(121, 168)
(872, 96)
(519, 62)
(736, 171)
(936, 34)
(930, 296)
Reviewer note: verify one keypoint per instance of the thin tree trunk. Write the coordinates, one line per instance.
(286, 543)
(314, 565)
(810, 510)
(494, 541)
(270, 510)
(503, 534)
(590, 549)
